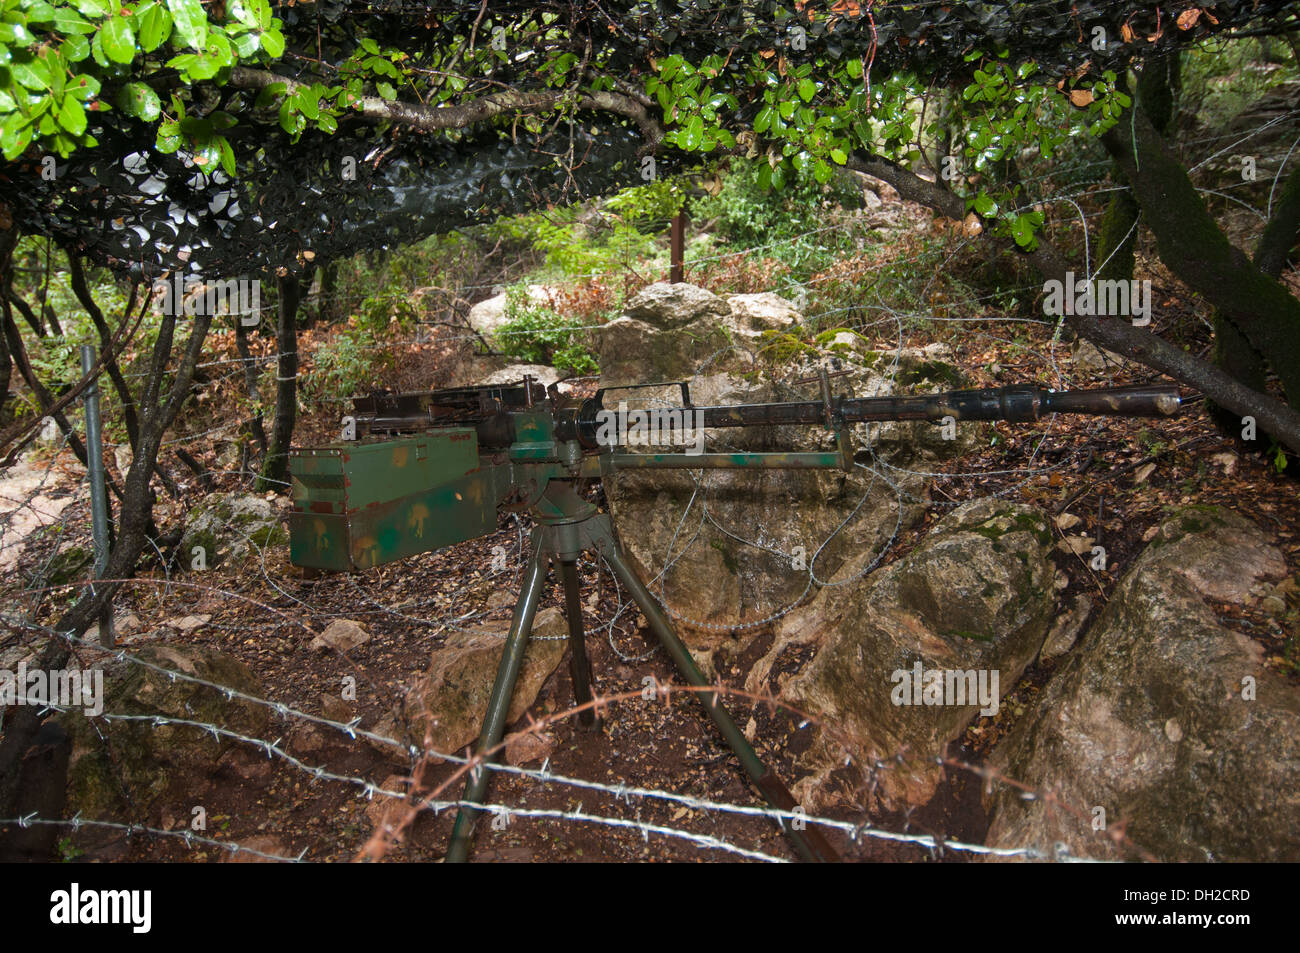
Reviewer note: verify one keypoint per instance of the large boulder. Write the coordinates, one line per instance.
(447, 704)
(514, 373)
(668, 306)
(666, 332)
(742, 545)
(752, 314)
(120, 768)
(975, 596)
(230, 526)
(1165, 716)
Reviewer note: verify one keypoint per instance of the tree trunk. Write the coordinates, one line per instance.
(134, 521)
(250, 382)
(1195, 249)
(275, 469)
(1156, 87)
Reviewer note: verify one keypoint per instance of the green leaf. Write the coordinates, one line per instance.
(839, 156)
(71, 116)
(33, 74)
(694, 134)
(16, 144)
(93, 8)
(139, 100)
(308, 103)
(763, 121)
(386, 91)
(155, 26)
(69, 24)
(273, 43)
(807, 89)
(226, 153)
(190, 22)
(245, 45)
(75, 48)
(169, 138)
(822, 172)
(118, 40)
(984, 205)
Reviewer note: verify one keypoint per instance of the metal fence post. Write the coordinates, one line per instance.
(98, 490)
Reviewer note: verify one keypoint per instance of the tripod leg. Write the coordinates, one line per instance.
(810, 843)
(503, 688)
(579, 666)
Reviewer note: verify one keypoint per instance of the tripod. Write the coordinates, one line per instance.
(566, 526)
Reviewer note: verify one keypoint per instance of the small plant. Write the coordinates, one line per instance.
(349, 363)
(68, 851)
(536, 334)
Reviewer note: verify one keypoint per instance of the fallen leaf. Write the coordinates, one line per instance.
(1142, 473)
(1066, 521)
(1187, 19)
(1076, 544)
(1080, 97)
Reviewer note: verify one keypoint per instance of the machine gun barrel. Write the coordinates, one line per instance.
(1015, 403)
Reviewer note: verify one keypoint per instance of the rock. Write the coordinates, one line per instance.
(752, 314)
(1066, 628)
(666, 306)
(1153, 718)
(68, 565)
(666, 332)
(153, 763)
(386, 812)
(514, 373)
(189, 623)
(341, 635)
(533, 746)
(487, 316)
(264, 844)
(974, 596)
(633, 352)
(230, 526)
(335, 708)
(450, 700)
(1086, 356)
(717, 580)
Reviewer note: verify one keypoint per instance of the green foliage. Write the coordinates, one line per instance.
(1224, 78)
(537, 335)
(575, 249)
(57, 55)
(352, 362)
(750, 213)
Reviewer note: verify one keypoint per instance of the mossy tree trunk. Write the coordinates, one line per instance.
(1195, 249)
(275, 469)
(1156, 89)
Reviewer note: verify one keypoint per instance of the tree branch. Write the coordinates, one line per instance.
(1115, 335)
(442, 118)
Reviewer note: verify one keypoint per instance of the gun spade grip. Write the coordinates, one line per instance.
(1135, 400)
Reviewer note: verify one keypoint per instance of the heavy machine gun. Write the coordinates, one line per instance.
(417, 472)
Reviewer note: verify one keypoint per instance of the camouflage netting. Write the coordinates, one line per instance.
(127, 206)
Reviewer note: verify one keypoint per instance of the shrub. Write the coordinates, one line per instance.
(536, 334)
